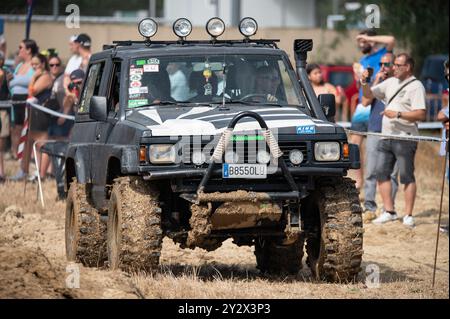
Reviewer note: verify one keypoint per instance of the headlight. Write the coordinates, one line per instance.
(263, 157)
(231, 157)
(182, 27)
(148, 28)
(327, 151)
(163, 154)
(248, 27)
(198, 158)
(215, 27)
(296, 157)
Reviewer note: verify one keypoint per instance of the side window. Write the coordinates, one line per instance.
(114, 89)
(92, 86)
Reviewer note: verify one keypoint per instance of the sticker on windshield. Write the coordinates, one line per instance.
(137, 103)
(138, 90)
(151, 68)
(153, 61)
(141, 62)
(306, 129)
(136, 72)
(135, 77)
(135, 84)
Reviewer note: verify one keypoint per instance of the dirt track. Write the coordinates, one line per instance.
(32, 256)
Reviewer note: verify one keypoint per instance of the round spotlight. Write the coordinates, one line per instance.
(248, 27)
(148, 28)
(198, 158)
(296, 157)
(215, 27)
(182, 27)
(263, 157)
(231, 157)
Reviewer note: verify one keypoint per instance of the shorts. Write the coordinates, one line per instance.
(18, 110)
(391, 151)
(56, 130)
(4, 124)
(39, 121)
(359, 126)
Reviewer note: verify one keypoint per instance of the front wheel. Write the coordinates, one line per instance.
(134, 226)
(334, 232)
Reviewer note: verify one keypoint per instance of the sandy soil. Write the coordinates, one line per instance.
(33, 265)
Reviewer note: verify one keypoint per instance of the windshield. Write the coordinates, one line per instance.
(200, 79)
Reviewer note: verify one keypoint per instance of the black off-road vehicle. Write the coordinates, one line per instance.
(202, 141)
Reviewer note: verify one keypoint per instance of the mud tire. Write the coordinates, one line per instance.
(134, 234)
(276, 259)
(334, 232)
(85, 234)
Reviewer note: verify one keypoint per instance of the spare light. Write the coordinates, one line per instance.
(182, 27)
(248, 27)
(296, 157)
(215, 27)
(148, 28)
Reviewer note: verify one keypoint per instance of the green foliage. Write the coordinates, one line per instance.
(420, 25)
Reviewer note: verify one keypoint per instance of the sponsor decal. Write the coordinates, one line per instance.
(135, 77)
(151, 68)
(135, 84)
(136, 72)
(141, 62)
(138, 90)
(242, 138)
(137, 103)
(134, 96)
(153, 61)
(306, 129)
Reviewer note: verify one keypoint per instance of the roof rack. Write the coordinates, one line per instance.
(266, 42)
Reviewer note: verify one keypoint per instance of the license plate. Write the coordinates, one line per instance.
(250, 171)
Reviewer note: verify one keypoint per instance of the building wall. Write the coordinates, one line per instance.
(329, 46)
(268, 13)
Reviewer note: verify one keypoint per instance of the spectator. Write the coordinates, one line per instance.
(404, 97)
(444, 118)
(367, 42)
(74, 61)
(178, 83)
(84, 42)
(40, 89)
(372, 154)
(19, 90)
(4, 116)
(319, 85)
(56, 131)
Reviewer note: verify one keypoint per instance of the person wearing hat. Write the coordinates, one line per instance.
(74, 61)
(84, 42)
(72, 98)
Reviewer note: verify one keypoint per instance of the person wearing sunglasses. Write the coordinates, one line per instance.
(404, 97)
(372, 154)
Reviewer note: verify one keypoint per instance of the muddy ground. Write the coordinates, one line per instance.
(33, 265)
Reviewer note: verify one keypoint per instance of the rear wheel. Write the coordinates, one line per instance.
(134, 225)
(85, 234)
(334, 232)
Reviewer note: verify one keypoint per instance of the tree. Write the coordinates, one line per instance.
(420, 25)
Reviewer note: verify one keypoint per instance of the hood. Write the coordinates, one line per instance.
(203, 120)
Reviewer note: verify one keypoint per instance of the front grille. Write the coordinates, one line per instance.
(247, 152)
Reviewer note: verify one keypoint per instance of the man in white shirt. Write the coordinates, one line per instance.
(74, 61)
(404, 97)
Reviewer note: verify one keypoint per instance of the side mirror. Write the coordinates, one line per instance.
(98, 109)
(328, 104)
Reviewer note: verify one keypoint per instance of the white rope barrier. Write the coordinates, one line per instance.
(414, 138)
(9, 104)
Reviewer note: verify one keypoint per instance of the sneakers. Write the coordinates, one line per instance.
(20, 175)
(385, 217)
(408, 221)
(444, 229)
